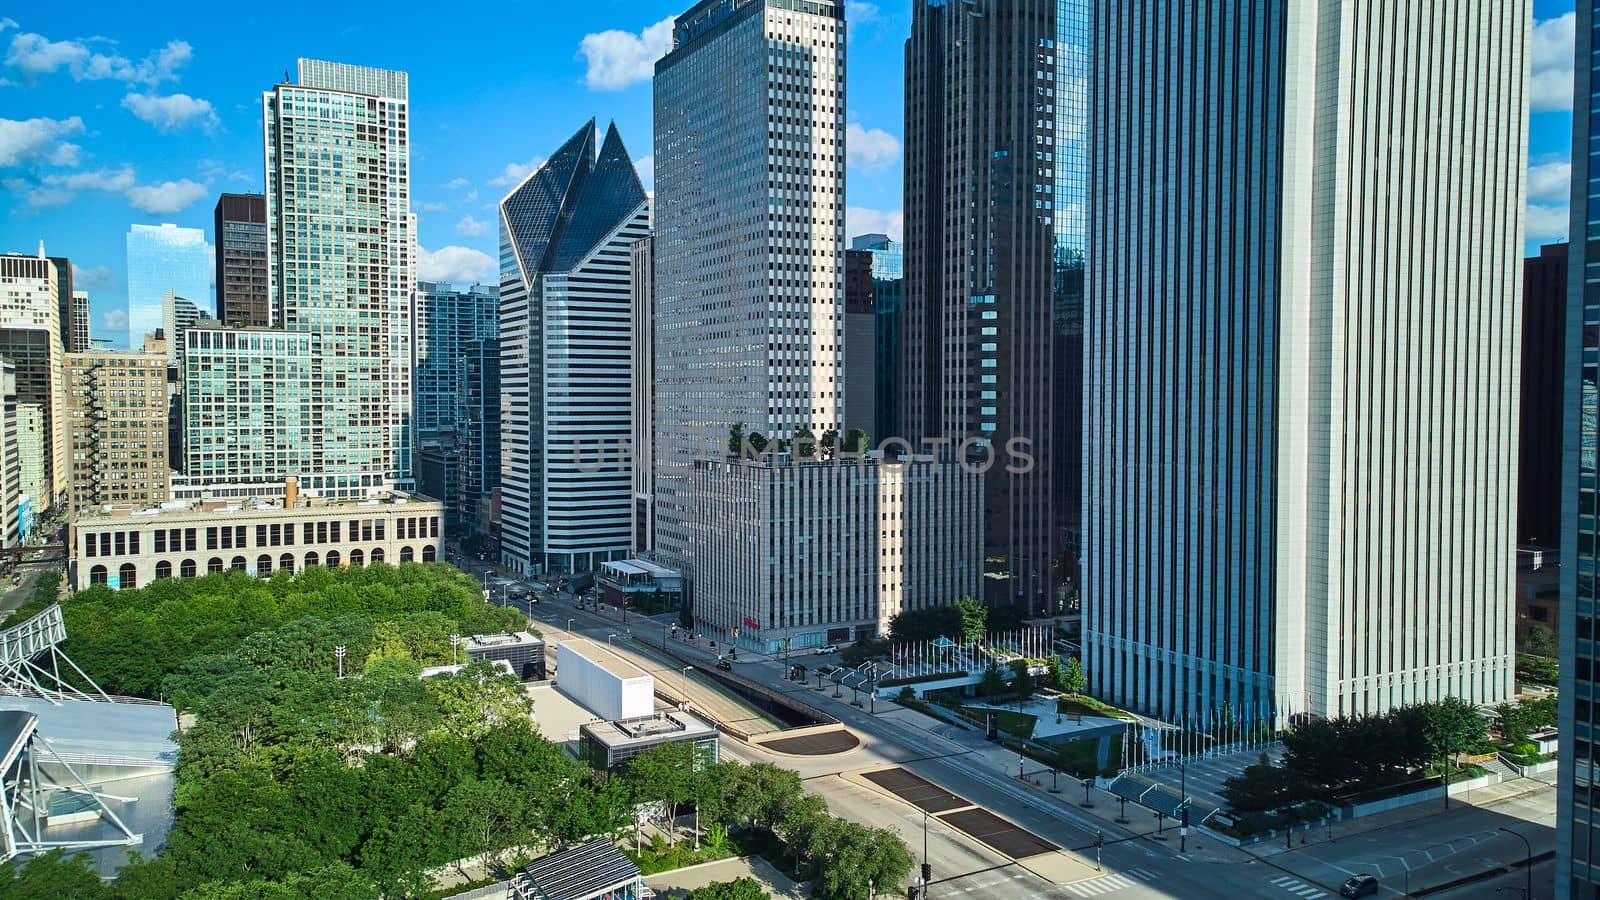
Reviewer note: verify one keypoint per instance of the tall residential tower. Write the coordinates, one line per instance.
(1302, 315)
(240, 227)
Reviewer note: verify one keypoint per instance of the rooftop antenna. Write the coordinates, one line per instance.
(41, 248)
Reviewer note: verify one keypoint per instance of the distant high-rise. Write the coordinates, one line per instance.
(81, 340)
(448, 322)
(566, 275)
(65, 293)
(1577, 843)
(252, 404)
(1544, 341)
(164, 259)
(477, 439)
(996, 106)
(644, 394)
(30, 336)
(240, 228)
(795, 549)
(875, 292)
(181, 314)
(10, 458)
(1303, 303)
(117, 406)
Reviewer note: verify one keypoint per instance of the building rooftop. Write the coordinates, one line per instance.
(504, 639)
(223, 507)
(666, 724)
(604, 658)
(582, 873)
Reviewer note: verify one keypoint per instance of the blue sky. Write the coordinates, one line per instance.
(114, 114)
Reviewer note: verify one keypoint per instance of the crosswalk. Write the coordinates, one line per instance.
(1108, 884)
(1299, 888)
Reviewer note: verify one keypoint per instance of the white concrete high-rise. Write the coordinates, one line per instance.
(566, 357)
(1302, 317)
(749, 241)
(30, 336)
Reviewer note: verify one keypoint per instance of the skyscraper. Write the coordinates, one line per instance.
(566, 277)
(81, 340)
(253, 401)
(644, 394)
(117, 406)
(1544, 340)
(164, 259)
(875, 286)
(477, 438)
(449, 321)
(800, 547)
(1301, 377)
(1577, 800)
(30, 337)
(338, 161)
(995, 115)
(181, 314)
(65, 294)
(240, 228)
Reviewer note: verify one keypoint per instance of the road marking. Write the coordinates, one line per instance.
(1142, 874)
(1096, 886)
(1299, 888)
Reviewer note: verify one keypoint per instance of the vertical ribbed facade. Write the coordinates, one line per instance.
(996, 105)
(1302, 319)
(30, 337)
(567, 357)
(1577, 846)
(644, 395)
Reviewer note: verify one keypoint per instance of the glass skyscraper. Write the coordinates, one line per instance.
(450, 320)
(1578, 797)
(342, 262)
(996, 113)
(566, 280)
(164, 260)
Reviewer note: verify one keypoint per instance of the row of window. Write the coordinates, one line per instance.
(230, 537)
(128, 573)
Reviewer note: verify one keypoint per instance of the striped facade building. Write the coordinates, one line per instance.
(566, 357)
(1303, 318)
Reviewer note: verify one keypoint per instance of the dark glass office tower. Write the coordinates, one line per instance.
(1578, 800)
(241, 235)
(991, 329)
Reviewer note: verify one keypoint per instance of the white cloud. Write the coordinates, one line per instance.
(461, 265)
(112, 180)
(171, 112)
(1546, 223)
(116, 320)
(1550, 183)
(1550, 60)
(8, 22)
(470, 227)
(860, 220)
(869, 149)
(514, 173)
(855, 11)
(38, 141)
(431, 207)
(457, 183)
(92, 276)
(35, 55)
(646, 167)
(471, 195)
(619, 59)
(167, 197)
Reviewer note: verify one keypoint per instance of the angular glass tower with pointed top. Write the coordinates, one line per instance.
(566, 384)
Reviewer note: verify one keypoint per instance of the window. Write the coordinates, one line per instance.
(377, 554)
(357, 559)
(214, 564)
(187, 568)
(333, 557)
(263, 565)
(406, 554)
(237, 565)
(312, 559)
(286, 562)
(127, 577)
(427, 553)
(97, 575)
(163, 568)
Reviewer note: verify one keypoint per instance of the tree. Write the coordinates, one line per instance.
(1540, 641)
(974, 620)
(1021, 678)
(51, 875)
(830, 443)
(664, 774)
(745, 888)
(926, 624)
(477, 698)
(805, 443)
(1074, 682)
(1262, 787)
(1452, 726)
(994, 681)
(736, 440)
(484, 817)
(856, 441)
(1054, 676)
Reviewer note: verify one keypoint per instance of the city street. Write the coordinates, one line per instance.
(1413, 848)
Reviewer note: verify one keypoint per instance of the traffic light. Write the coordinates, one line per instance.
(927, 873)
(1099, 839)
(913, 894)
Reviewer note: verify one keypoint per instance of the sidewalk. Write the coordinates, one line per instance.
(679, 882)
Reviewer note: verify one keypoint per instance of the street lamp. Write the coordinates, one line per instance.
(1528, 862)
(686, 686)
(338, 654)
(455, 641)
(610, 636)
(569, 626)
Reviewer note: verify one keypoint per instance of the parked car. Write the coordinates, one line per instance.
(724, 665)
(1359, 886)
(825, 649)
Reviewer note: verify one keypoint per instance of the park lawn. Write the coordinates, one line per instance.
(1012, 723)
(1081, 705)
